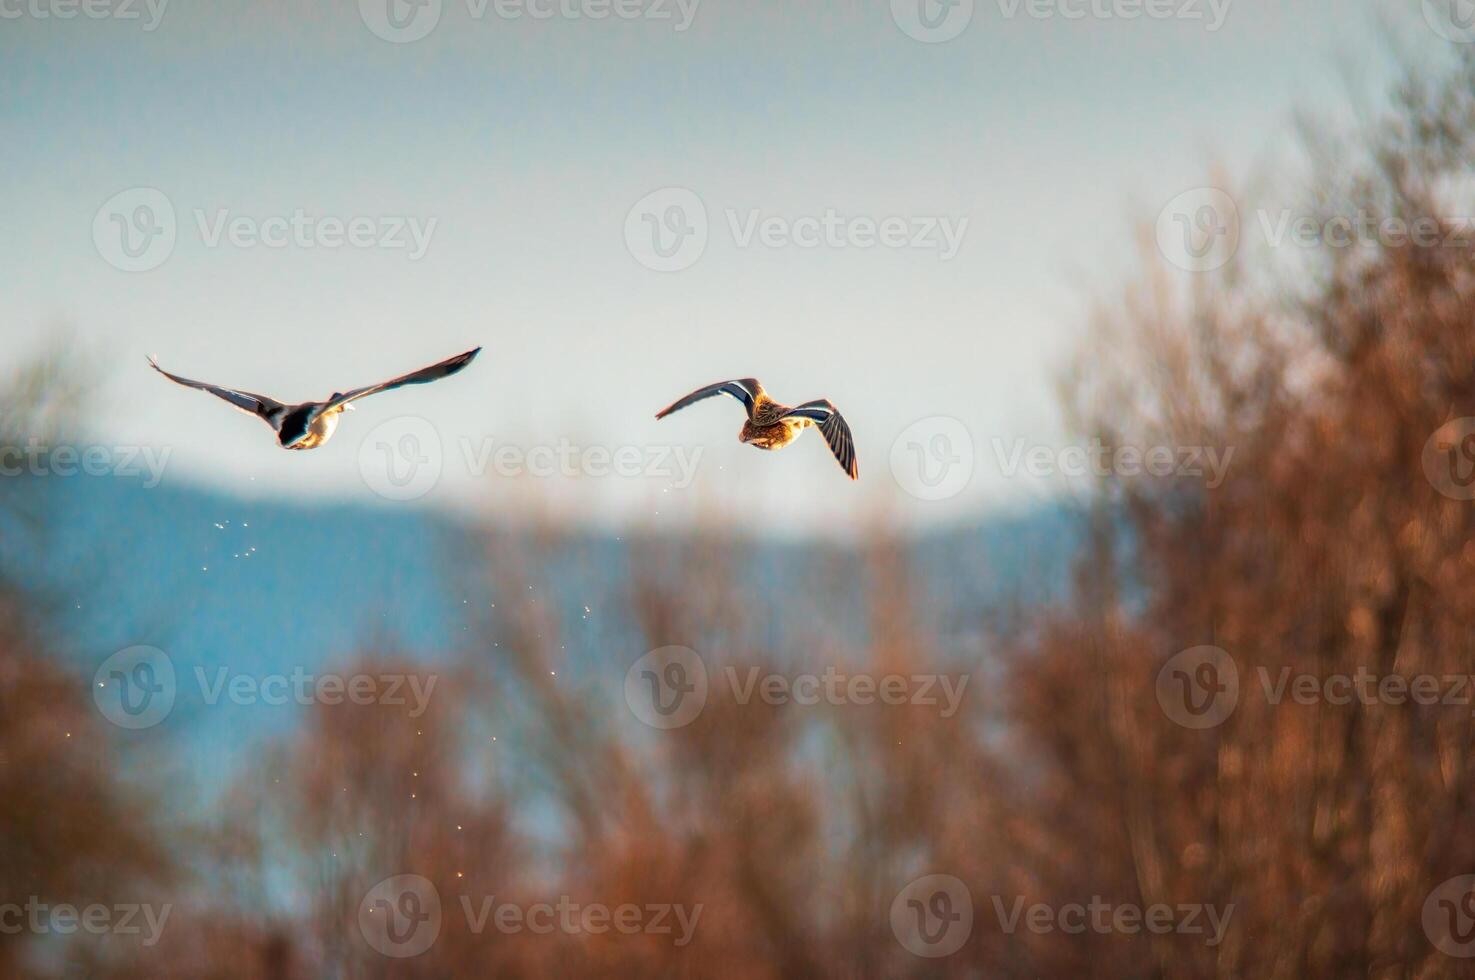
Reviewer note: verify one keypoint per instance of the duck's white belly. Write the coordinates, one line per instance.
(320, 430)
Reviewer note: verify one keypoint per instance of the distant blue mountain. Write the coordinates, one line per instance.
(264, 587)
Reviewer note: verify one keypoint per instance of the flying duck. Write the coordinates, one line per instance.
(310, 424)
(773, 426)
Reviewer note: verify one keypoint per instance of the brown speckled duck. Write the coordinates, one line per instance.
(310, 424)
(773, 426)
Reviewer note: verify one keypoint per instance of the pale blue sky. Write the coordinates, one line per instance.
(528, 142)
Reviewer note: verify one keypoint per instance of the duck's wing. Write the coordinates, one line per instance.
(833, 427)
(434, 372)
(745, 390)
(261, 406)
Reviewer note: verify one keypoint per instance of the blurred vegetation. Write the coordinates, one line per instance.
(72, 830)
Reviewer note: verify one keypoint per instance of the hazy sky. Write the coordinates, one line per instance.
(522, 151)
